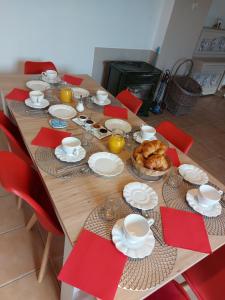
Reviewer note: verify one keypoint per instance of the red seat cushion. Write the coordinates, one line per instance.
(170, 291)
(207, 278)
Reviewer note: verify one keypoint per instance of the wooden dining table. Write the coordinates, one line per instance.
(75, 198)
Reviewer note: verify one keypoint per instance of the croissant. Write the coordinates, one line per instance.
(137, 151)
(150, 147)
(157, 162)
(140, 159)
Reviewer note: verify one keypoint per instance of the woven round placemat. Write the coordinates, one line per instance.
(138, 274)
(176, 198)
(47, 161)
(21, 109)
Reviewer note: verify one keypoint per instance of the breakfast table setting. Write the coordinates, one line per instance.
(136, 211)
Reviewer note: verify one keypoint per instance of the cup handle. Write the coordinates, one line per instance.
(76, 150)
(44, 73)
(220, 192)
(150, 221)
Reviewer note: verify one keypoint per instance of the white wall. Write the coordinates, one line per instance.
(217, 10)
(67, 32)
(183, 31)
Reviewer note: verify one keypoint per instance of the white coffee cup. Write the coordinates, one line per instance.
(101, 96)
(136, 228)
(71, 144)
(50, 74)
(147, 132)
(208, 195)
(36, 96)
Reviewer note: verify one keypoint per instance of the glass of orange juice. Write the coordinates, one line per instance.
(116, 141)
(65, 95)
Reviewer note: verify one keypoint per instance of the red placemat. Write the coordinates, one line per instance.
(184, 229)
(94, 266)
(115, 111)
(72, 79)
(18, 95)
(51, 138)
(172, 154)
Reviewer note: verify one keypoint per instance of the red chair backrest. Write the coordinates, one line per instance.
(14, 138)
(170, 291)
(128, 99)
(17, 177)
(37, 67)
(175, 136)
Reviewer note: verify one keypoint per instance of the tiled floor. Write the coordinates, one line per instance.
(206, 124)
(21, 250)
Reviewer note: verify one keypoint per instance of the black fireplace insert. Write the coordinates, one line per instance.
(139, 77)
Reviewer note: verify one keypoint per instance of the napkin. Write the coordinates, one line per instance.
(51, 138)
(172, 154)
(94, 266)
(115, 111)
(18, 94)
(72, 79)
(184, 229)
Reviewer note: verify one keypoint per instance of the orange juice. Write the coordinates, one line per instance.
(116, 141)
(65, 95)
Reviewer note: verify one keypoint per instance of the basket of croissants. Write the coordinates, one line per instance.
(150, 158)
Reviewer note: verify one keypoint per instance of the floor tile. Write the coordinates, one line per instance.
(21, 252)
(10, 216)
(29, 288)
(216, 167)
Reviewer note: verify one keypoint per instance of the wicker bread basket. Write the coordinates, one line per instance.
(148, 172)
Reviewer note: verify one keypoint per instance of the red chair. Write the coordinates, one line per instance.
(175, 136)
(19, 178)
(207, 278)
(132, 102)
(14, 137)
(170, 291)
(37, 67)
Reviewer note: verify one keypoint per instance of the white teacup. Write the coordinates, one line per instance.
(136, 228)
(147, 132)
(71, 144)
(208, 195)
(36, 96)
(50, 74)
(101, 96)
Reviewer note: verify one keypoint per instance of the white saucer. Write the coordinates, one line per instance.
(193, 174)
(140, 195)
(138, 138)
(106, 102)
(38, 85)
(51, 81)
(210, 211)
(133, 250)
(43, 104)
(63, 156)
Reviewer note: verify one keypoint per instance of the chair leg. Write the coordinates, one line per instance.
(45, 257)
(31, 222)
(19, 203)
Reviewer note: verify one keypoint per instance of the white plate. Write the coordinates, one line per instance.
(106, 164)
(43, 104)
(79, 92)
(51, 81)
(62, 111)
(37, 85)
(133, 250)
(118, 124)
(138, 138)
(210, 211)
(106, 102)
(193, 174)
(140, 195)
(63, 156)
